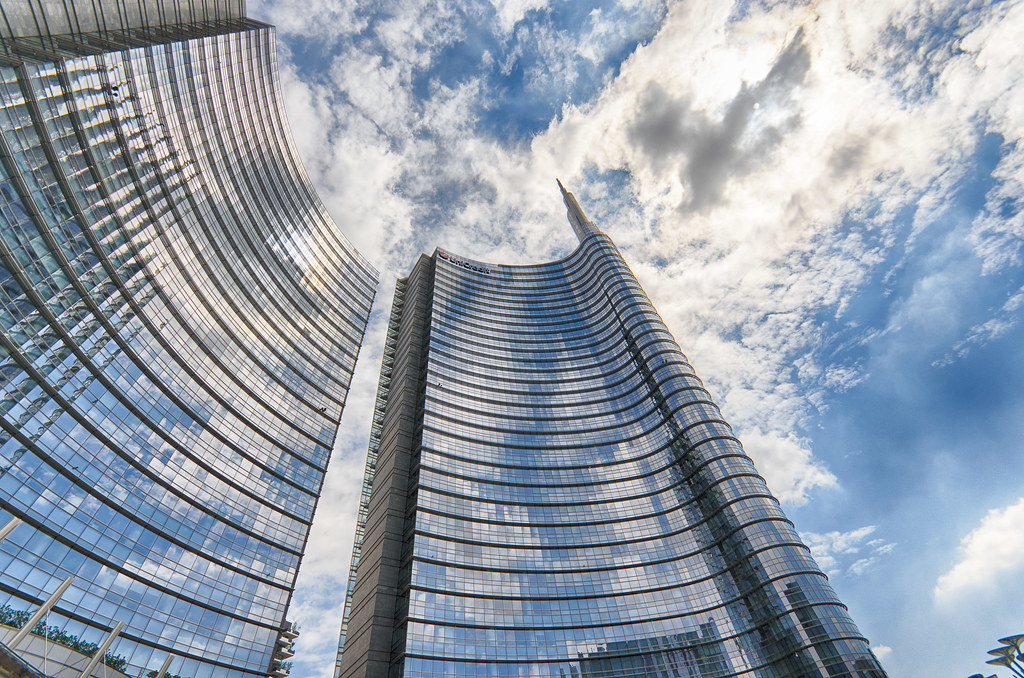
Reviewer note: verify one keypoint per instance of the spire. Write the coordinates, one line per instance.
(583, 227)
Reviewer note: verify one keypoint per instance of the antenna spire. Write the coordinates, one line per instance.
(583, 227)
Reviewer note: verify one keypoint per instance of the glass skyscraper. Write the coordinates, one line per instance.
(181, 318)
(550, 491)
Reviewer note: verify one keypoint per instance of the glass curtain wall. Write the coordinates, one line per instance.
(181, 318)
(577, 506)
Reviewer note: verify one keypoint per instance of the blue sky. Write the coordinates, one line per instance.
(823, 199)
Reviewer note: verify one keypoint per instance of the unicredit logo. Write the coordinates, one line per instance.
(463, 264)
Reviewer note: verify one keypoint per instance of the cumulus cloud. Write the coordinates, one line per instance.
(752, 165)
(989, 551)
(834, 550)
(511, 12)
(787, 465)
(716, 151)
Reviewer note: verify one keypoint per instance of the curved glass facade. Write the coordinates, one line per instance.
(181, 318)
(575, 503)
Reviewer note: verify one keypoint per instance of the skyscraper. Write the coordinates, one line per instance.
(181, 318)
(550, 491)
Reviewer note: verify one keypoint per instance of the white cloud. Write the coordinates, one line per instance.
(862, 565)
(1005, 320)
(1002, 321)
(731, 215)
(318, 19)
(986, 76)
(991, 550)
(881, 651)
(833, 550)
(787, 465)
(511, 12)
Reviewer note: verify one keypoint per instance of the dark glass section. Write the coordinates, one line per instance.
(96, 21)
(578, 505)
(181, 318)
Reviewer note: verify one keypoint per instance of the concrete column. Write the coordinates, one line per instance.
(9, 527)
(40, 613)
(165, 666)
(102, 651)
